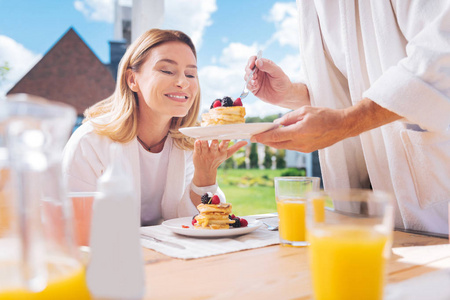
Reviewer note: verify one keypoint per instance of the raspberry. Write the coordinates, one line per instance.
(237, 102)
(194, 221)
(227, 101)
(233, 217)
(216, 103)
(244, 222)
(206, 198)
(215, 199)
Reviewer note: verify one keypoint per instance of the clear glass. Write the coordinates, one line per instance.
(82, 203)
(38, 257)
(350, 236)
(290, 194)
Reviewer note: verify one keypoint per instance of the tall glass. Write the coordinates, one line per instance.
(38, 259)
(290, 193)
(350, 242)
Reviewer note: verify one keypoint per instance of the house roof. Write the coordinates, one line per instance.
(69, 72)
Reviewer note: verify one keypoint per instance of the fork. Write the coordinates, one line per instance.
(271, 228)
(245, 91)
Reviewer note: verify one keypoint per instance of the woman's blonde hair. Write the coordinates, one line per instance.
(122, 106)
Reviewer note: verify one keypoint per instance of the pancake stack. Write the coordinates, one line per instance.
(223, 112)
(213, 216)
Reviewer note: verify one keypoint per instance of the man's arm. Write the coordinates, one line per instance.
(311, 128)
(366, 115)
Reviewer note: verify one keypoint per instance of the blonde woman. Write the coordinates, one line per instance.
(157, 92)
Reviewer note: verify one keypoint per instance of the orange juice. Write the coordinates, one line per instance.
(347, 262)
(292, 225)
(66, 281)
(319, 209)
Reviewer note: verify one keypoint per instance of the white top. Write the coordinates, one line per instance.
(86, 156)
(395, 53)
(153, 182)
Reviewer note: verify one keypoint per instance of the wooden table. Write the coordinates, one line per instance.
(273, 272)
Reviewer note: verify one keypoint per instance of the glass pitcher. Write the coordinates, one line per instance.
(38, 257)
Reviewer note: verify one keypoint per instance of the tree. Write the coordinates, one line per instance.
(280, 161)
(229, 163)
(267, 157)
(253, 157)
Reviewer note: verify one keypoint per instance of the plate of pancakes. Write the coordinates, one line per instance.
(184, 226)
(228, 132)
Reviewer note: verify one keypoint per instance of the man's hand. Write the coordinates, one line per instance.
(311, 128)
(273, 86)
(306, 130)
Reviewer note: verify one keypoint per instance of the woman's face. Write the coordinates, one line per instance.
(167, 81)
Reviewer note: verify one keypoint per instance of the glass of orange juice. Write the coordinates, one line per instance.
(350, 241)
(290, 194)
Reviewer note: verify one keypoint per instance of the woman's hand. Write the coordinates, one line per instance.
(207, 158)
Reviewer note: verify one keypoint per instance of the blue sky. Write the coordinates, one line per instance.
(226, 33)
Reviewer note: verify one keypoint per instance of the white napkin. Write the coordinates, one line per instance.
(203, 247)
(433, 286)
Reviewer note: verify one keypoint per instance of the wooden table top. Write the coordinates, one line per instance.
(273, 272)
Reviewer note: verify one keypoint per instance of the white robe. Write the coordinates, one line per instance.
(396, 53)
(86, 157)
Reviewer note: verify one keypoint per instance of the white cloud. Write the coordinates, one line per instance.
(96, 10)
(236, 55)
(226, 78)
(192, 17)
(20, 60)
(284, 16)
(261, 109)
(291, 65)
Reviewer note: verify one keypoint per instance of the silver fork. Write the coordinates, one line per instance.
(245, 91)
(271, 228)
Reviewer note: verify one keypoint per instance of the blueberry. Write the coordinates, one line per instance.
(237, 223)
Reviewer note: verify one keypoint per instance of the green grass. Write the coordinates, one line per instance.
(249, 191)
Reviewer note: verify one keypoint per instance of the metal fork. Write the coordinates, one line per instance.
(271, 228)
(245, 91)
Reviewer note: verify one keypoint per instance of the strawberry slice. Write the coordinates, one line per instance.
(237, 102)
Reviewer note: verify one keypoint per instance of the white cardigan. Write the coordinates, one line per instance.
(396, 53)
(86, 157)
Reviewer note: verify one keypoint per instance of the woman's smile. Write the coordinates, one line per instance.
(178, 97)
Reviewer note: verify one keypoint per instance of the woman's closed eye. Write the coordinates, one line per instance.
(167, 72)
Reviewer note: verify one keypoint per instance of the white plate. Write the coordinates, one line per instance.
(227, 132)
(175, 226)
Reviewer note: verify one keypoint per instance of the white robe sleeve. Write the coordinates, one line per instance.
(418, 87)
(82, 162)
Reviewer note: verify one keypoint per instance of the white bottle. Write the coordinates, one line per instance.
(116, 267)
